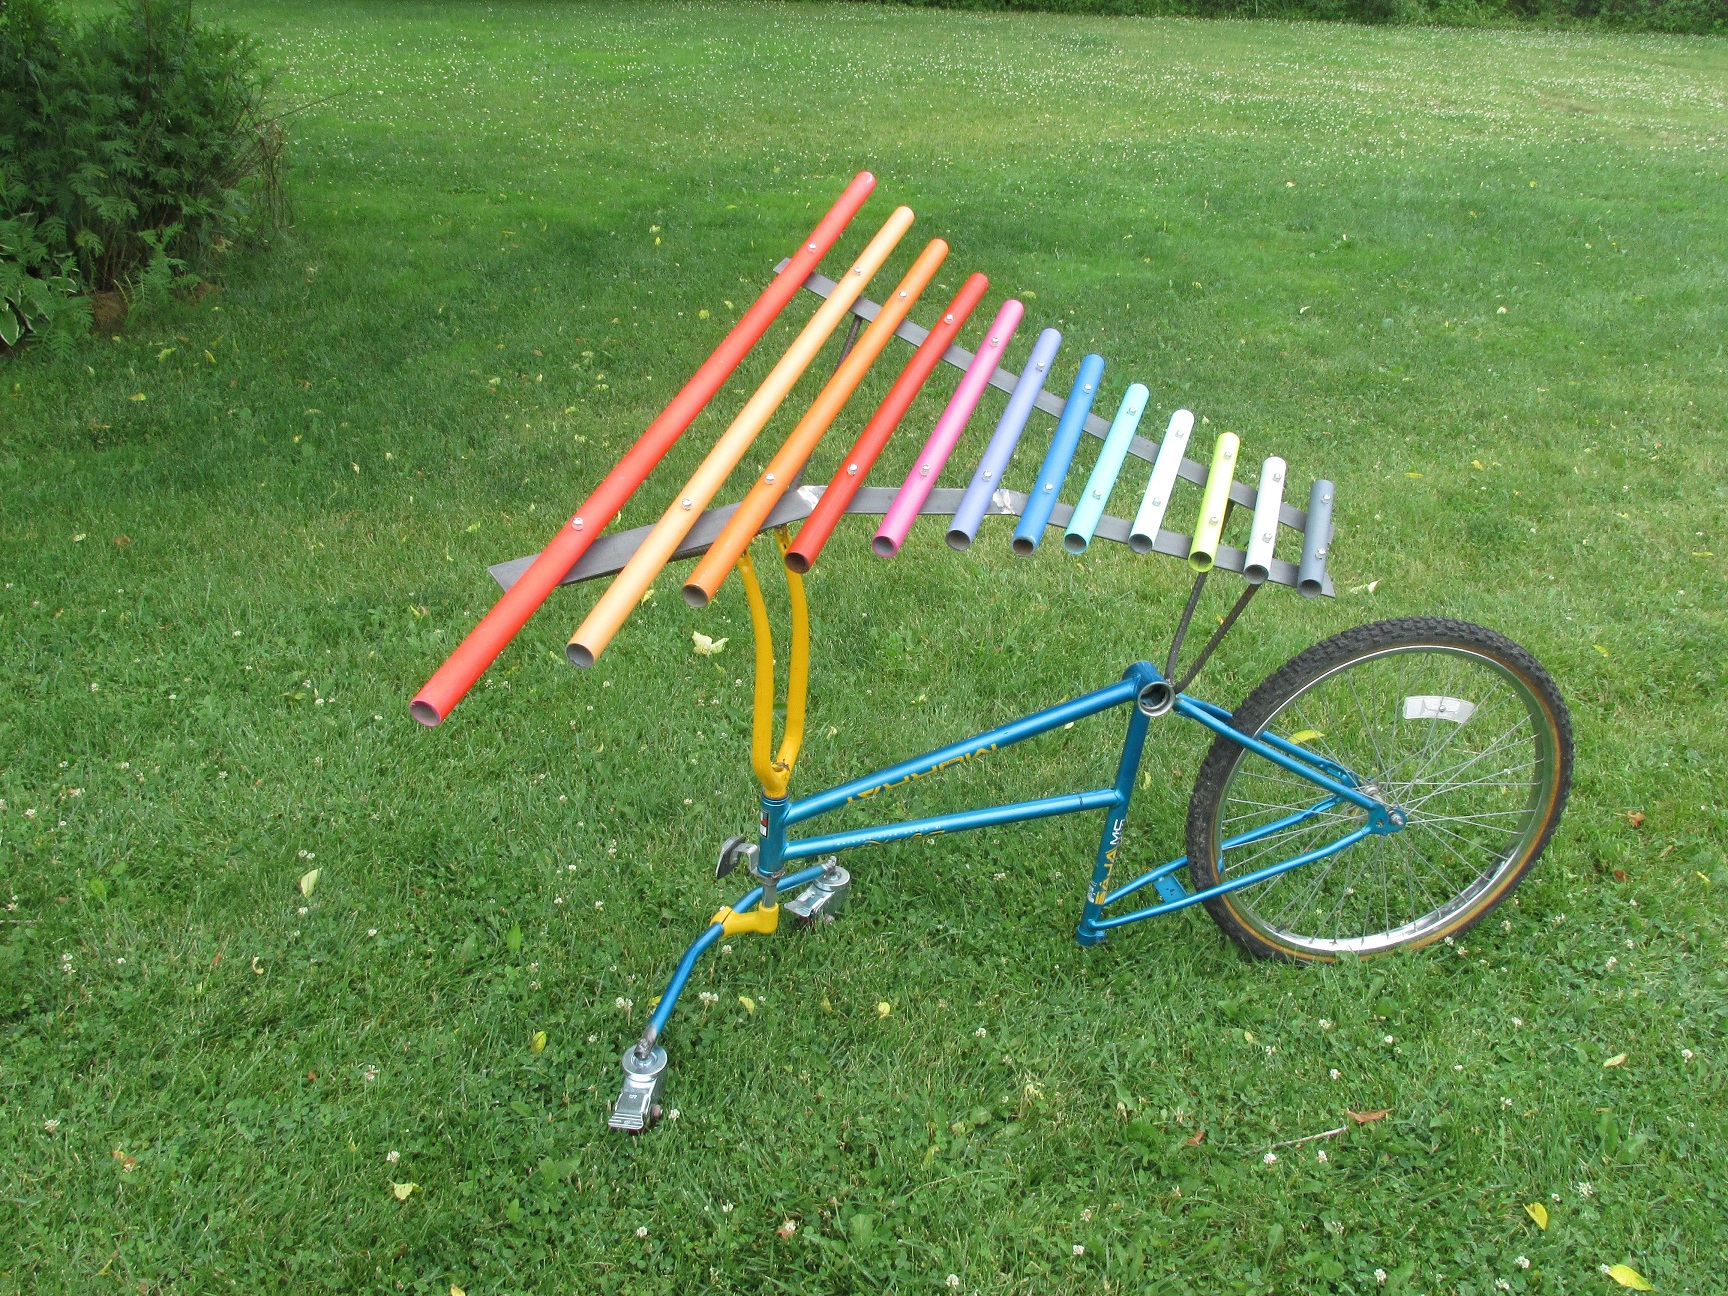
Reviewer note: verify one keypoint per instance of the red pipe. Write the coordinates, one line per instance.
(485, 641)
(855, 467)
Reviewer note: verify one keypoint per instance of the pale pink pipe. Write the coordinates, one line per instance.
(919, 482)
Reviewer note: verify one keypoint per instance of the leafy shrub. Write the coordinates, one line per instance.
(139, 144)
(37, 289)
(1700, 17)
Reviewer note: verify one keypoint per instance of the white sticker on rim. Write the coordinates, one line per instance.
(1434, 707)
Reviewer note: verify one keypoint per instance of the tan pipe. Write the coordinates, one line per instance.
(656, 550)
(753, 511)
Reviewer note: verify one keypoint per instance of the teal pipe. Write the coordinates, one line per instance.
(1106, 470)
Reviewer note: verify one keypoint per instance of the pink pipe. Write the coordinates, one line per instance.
(919, 482)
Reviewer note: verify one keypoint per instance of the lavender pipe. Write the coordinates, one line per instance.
(988, 478)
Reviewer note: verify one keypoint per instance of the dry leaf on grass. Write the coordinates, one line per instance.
(1538, 1212)
(403, 1191)
(539, 1044)
(1195, 1140)
(1363, 1117)
(308, 881)
(706, 647)
(1618, 1059)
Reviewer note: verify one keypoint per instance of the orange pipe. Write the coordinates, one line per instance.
(862, 456)
(498, 627)
(657, 548)
(753, 511)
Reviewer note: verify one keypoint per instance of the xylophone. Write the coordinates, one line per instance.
(1383, 789)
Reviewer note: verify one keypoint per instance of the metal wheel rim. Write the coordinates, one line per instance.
(1434, 921)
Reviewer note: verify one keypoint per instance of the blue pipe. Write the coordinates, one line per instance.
(1042, 501)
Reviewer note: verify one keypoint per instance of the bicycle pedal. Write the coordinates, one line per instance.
(825, 898)
(638, 1105)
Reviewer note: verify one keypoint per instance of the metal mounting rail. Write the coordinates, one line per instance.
(609, 554)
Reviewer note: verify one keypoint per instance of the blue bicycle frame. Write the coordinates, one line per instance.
(1144, 690)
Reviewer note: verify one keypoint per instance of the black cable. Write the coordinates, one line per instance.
(1182, 626)
(1217, 637)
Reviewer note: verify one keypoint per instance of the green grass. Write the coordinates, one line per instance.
(218, 599)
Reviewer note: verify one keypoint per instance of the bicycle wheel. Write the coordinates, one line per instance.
(1455, 725)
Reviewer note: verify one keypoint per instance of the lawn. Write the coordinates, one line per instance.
(1475, 278)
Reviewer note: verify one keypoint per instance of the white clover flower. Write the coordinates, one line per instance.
(1380, 1275)
(392, 1156)
(302, 911)
(953, 1280)
(726, 1208)
(599, 904)
(1505, 1102)
(51, 1125)
(1079, 1250)
(1325, 1024)
(1517, 1021)
(622, 1004)
(1271, 1158)
(1321, 1156)
(1688, 1054)
(1333, 1073)
(1500, 1284)
(1585, 1189)
(1611, 964)
(641, 1230)
(674, 1114)
(981, 1033)
(708, 998)
(1388, 1039)
(1523, 1262)
(371, 931)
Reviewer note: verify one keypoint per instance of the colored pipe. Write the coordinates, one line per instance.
(1042, 501)
(485, 641)
(1156, 501)
(753, 511)
(988, 478)
(1214, 503)
(813, 535)
(903, 512)
(1311, 576)
(627, 589)
(1263, 538)
(1104, 473)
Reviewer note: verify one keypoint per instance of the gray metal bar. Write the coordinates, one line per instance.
(1240, 492)
(611, 552)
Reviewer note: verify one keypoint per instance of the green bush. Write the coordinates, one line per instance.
(137, 146)
(1698, 17)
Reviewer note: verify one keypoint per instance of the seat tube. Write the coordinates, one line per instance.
(1115, 820)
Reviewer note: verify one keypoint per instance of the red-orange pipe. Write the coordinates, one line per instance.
(485, 641)
(855, 467)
